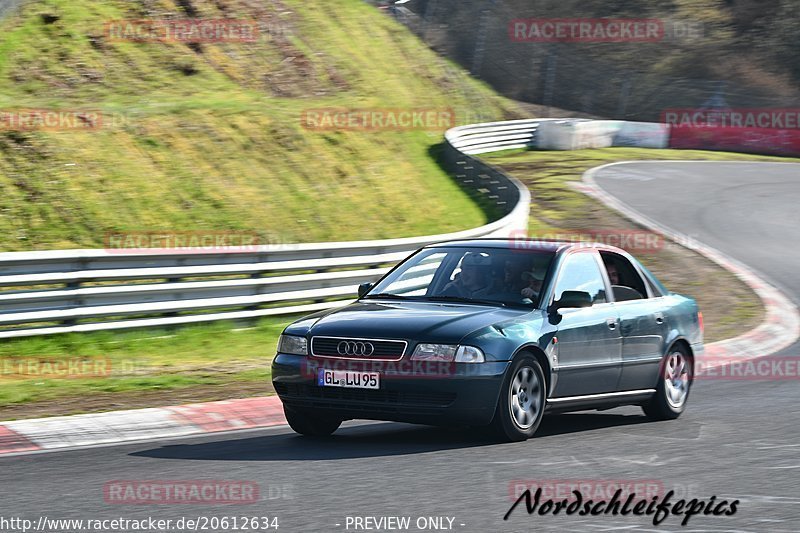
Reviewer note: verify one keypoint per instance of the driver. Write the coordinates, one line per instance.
(613, 273)
(472, 278)
(507, 280)
(534, 287)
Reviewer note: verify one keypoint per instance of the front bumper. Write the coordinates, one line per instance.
(452, 394)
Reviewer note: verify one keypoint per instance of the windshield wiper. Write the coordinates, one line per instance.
(462, 299)
(386, 295)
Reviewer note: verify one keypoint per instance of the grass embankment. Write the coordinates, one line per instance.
(209, 136)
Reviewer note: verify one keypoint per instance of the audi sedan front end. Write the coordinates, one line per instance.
(492, 333)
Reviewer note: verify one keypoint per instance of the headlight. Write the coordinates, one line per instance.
(447, 353)
(434, 352)
(292, 344)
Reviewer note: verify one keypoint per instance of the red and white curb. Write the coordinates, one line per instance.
(139, 424)
(781, 325)
(780, 328)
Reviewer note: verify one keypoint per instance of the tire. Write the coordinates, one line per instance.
(674, 382)
(310, 424)
(522, 400)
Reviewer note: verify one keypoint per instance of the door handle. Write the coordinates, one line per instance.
(612, 323)
(659, 318)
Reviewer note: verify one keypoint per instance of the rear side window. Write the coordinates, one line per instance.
(652, 282)
(580, 272)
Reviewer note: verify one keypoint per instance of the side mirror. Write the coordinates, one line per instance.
(363, 289)
(572, 299)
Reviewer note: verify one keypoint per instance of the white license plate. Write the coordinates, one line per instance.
(348, 378)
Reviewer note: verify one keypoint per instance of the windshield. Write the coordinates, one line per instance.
(496, 276)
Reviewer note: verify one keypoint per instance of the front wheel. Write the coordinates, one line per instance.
(310, 424)
(674, 383)
(522, 399)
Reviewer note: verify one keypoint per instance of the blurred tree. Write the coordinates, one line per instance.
(748, 47)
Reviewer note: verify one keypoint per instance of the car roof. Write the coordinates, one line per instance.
(539, 245)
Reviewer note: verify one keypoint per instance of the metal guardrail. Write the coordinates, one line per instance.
(88, 290)
(493, 136)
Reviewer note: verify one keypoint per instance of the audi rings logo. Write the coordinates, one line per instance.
(355, 348)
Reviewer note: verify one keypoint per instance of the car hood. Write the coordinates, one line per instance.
(413, 321)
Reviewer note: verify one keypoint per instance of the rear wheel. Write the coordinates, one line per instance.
(521, 404)
(674, 383)
(309, 423)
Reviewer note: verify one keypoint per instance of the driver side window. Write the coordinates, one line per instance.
(626, 283)
(581, 272)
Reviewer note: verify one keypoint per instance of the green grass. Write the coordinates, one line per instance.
(21, 392)
(223, 147)
(217, 353)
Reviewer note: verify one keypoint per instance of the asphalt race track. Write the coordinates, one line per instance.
(750, 211)
(738, 439)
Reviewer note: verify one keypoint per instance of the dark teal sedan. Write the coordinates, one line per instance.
(493, 333)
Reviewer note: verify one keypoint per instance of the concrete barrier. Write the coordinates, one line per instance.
(642, 135)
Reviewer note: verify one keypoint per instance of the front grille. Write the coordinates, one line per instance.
(309, 392)
(382, 349)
